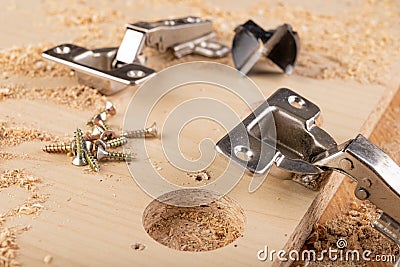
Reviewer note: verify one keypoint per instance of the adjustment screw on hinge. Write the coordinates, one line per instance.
(346, 164)
(366, 182)
(361, 193)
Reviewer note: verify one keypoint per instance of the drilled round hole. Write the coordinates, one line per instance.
(138, 246)
(135, 74)
(296, 101)
(243, 153)
(62, 49)
(202, 228)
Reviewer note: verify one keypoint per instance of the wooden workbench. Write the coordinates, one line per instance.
(94, 219)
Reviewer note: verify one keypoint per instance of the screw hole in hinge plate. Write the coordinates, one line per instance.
(62, 50)
(296, 101)
(244, 153)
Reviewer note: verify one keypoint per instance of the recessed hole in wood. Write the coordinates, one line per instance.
(202, 228)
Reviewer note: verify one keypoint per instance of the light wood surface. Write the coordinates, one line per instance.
(92, 220)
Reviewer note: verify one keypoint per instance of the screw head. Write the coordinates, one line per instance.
(110, 108)
(361, 193)
(152, 130)
(88, 145)
(79, 161)
(346, 164)
(108, 134)
(367, 182)
(103, 116)
(97, 130)
(101, 153)
(73, 147)
(98, 120)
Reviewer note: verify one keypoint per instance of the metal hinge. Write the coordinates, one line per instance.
(282, 134)
(112, 69)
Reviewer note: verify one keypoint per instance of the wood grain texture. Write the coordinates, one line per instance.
(93, 219)
(386, 135)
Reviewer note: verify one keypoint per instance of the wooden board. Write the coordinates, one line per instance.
(92, 220)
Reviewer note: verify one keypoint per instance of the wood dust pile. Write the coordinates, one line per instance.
(354, 227)
(202, 228)
(78, 96)
(31, 206)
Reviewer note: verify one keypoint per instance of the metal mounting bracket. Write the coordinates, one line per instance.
(112, 69)
(188, 35)
(282, 132)
(95, 68)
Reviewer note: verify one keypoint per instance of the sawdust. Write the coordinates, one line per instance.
(47, 259)
(354, 227)
(31, 206)
(9, 246)
(77, 97)
(357, 44)
(363, 50)
(27, 61)
(365, 41)
(13, 135)
(203, 228)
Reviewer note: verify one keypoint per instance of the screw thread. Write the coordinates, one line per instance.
(105, 126)
(119, 156)
(93, 163)
(120, 141)
(79, 143)
(135, 134)
(57, 148)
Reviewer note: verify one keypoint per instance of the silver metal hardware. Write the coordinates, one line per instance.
(251, 42)
(79, 159)
(95, 68)
(390, 228)
(376, 174)
(282, 132)
(102, 153)
(188, 35)
(151, 131)
(112, 69)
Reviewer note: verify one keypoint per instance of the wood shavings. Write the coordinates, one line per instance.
(31, 206)
(358, 44)
(78, 96)
(12, 136)
(203, 228)
(47, 259)
(355, 227)
(27, 61)
(9, 246)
